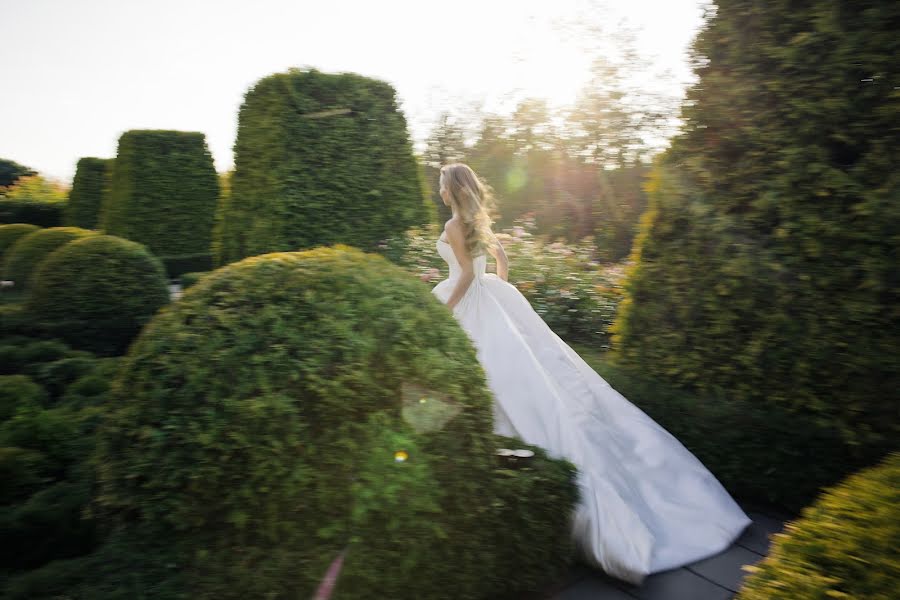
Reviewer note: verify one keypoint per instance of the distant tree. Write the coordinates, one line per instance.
(10, 171)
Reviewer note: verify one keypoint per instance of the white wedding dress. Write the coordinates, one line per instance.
(647, 504)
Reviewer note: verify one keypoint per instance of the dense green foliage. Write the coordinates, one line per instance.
(11, 171)
(12, 232)
(319, 159)
(42, 214)
(255, 425)
(23, 258)
(51, 398)
(843, 546)
(163, 192)
(768, 264)
(98, 292)
(89, 186)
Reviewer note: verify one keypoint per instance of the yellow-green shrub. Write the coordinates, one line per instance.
(843, 546)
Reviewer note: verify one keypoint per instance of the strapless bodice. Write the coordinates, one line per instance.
(446, 252)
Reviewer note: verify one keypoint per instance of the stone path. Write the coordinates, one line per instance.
(716, 578)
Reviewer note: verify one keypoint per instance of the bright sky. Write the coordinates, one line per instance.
(77, 74)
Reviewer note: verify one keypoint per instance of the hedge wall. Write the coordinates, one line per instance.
(769, 263)
(163, 192)
(319, 159)
(89, 186)
(42, 214)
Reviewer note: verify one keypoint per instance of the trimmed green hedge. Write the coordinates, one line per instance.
(843, 546)
(97, 293)
(26, 255)
(320, 159)
(189, 279)
(46, 438)
(767, 265)
(19, 391)
(163, 192)
(42, 214)
(89, 186)
(255, 425)
(9, 234)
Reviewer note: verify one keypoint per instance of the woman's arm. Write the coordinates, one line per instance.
(502, 259)
(456, 238)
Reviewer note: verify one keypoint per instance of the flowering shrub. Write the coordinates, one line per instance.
(575, 295)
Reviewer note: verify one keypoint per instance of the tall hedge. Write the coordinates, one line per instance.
(88, 188)
(293, 405)
(163, 192)
(769, 262)
(320, 159)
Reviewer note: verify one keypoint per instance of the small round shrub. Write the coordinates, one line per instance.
(25, 256)
(189, 279)
(22, 471)
(55, 376)
(54, 432)
(12, 232)
(263, 424)
(14, 322)
(843, 546)
(48, 525)
(41, 351)
(19, 391)
(16, 356)
(97, 292)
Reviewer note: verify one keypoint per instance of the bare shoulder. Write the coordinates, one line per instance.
(454, 227)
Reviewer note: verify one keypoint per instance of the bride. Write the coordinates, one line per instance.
(647, 504)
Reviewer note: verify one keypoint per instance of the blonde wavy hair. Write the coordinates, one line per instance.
(474, 200)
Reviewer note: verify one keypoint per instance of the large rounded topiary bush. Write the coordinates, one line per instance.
(843, 546)
(23, 258)
(293, 405)
(9, 234)
(97, 292)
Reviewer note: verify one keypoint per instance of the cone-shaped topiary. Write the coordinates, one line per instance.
(768, 261)
(12, 232)
(293, 405)
(843, 546)
(90, 184)
(25, 256)
(97, 293)
(320, 158)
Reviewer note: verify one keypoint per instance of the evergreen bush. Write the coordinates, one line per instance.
(293, 405)
(97, 293)
(25, 256)
(320, 159)
(89, 186)
(843, 546)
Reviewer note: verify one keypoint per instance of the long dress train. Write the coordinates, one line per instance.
(648, 504)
